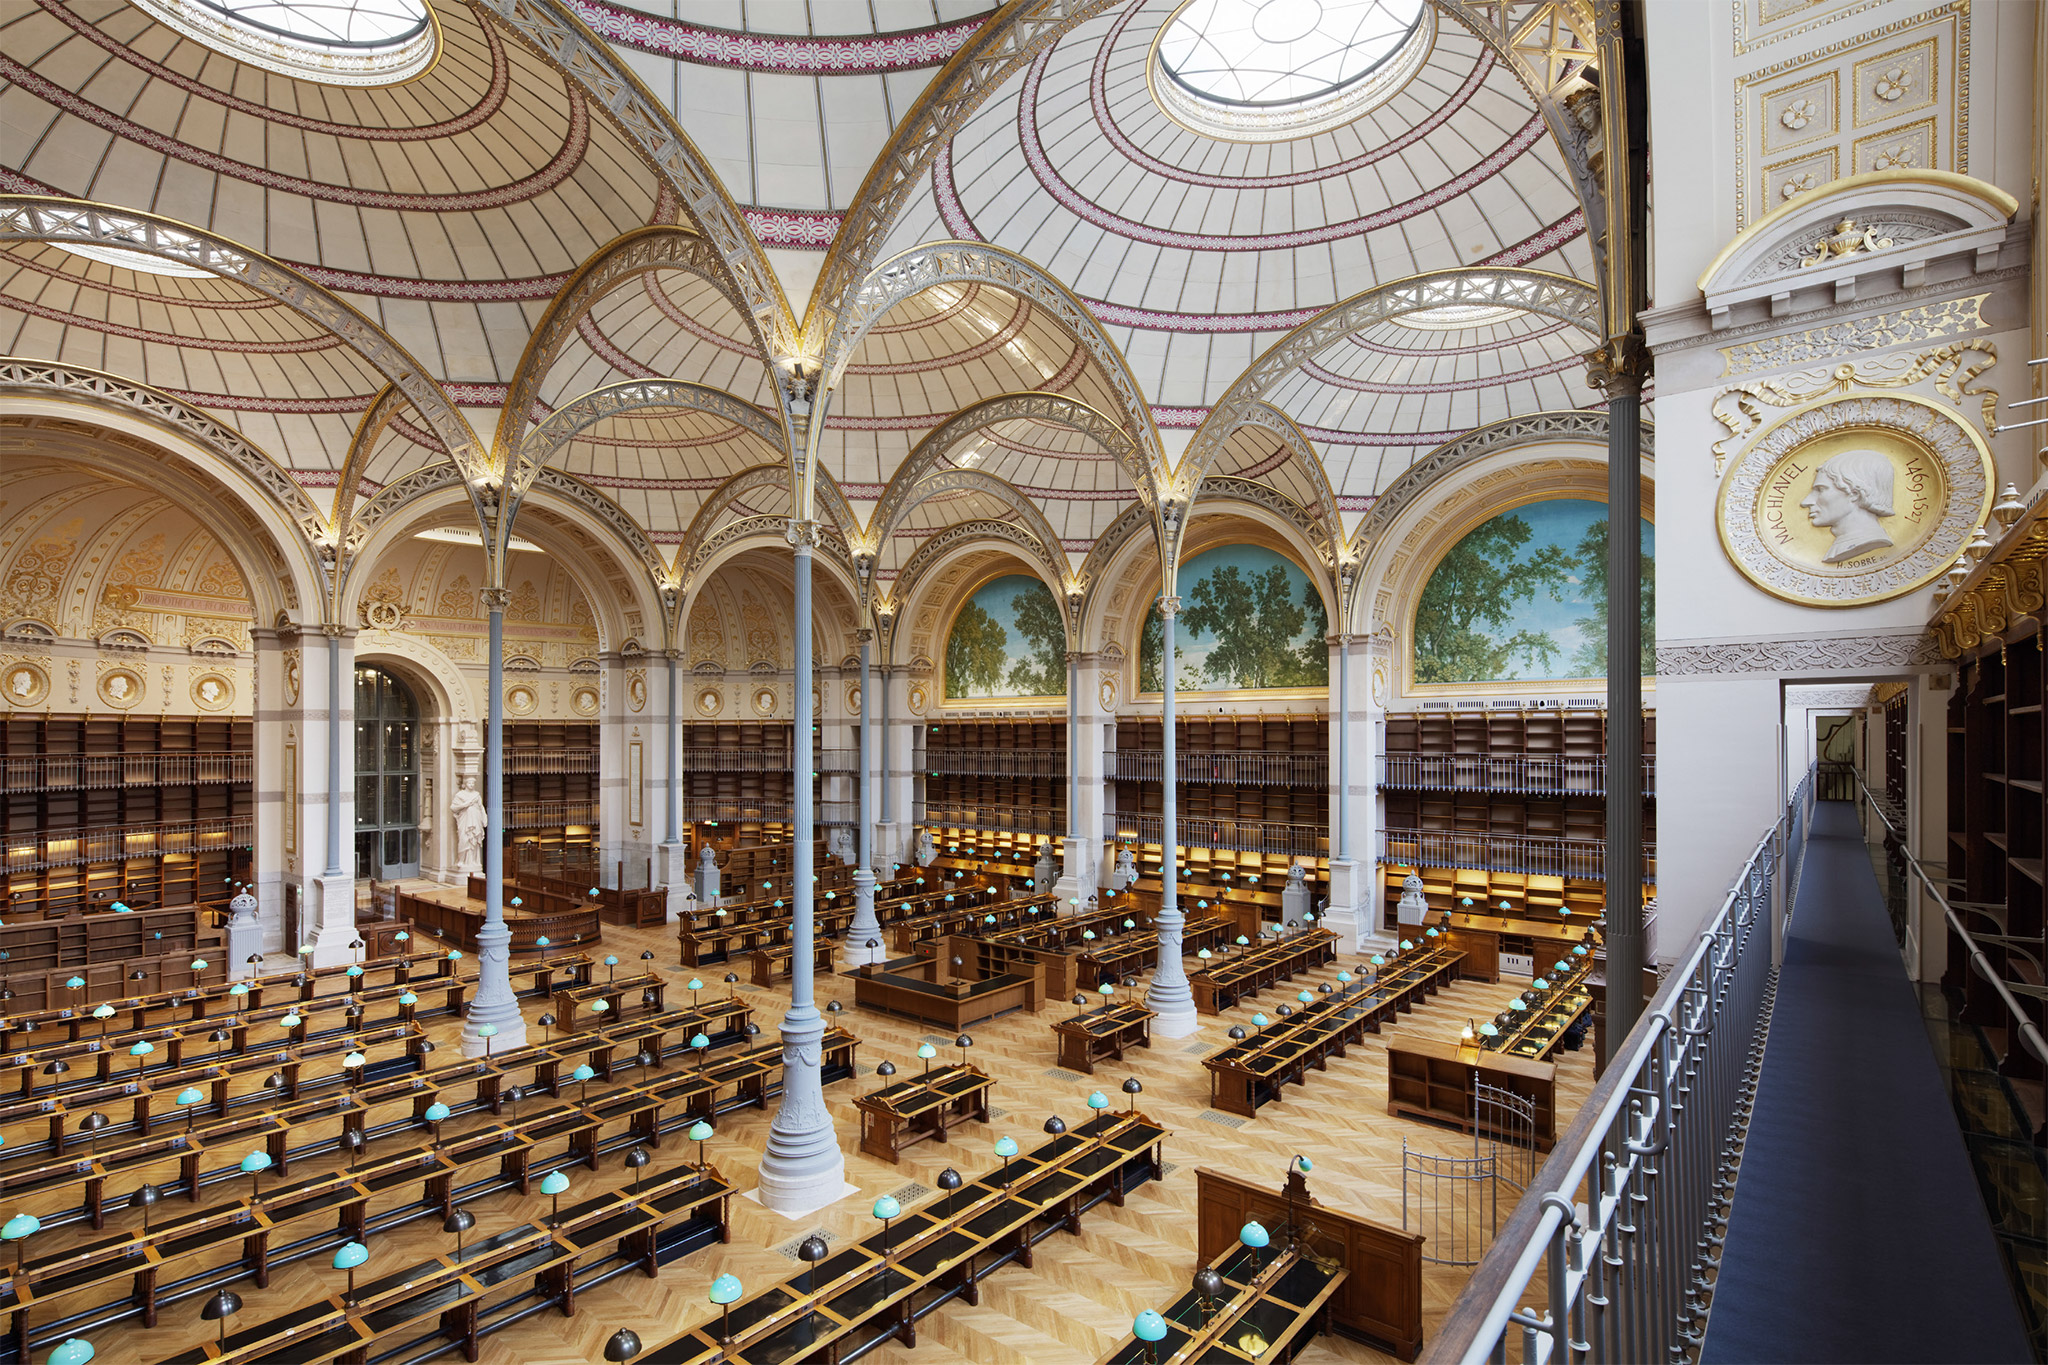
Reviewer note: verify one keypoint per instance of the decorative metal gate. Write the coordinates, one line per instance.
(1456, 1202)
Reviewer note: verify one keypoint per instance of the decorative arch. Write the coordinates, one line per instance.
(1326, 527)
(1031, 521)
(965, 536)
(361, 445)
(151, 440)
(43, 218)
(1053, 409)
(626, 257)
(705, 537)
(924, 585)
(424, 668)
(589, 61)
(999, 49)
(1533, 291)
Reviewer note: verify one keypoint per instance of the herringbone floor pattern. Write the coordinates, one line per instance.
(1080, 1297)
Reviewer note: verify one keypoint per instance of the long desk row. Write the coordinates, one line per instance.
(1127, 954)
(1228, 979)
(976, 916)
(708, 936)
(1250, 1073)
(878, 1287)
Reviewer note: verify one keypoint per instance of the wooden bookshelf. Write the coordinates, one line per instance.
(99, 774)
(1996, 840)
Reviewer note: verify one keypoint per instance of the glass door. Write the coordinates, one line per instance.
(387, 777)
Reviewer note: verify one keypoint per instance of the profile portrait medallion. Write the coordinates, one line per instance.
(1855, 500)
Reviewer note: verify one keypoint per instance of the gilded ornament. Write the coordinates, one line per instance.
(1846, 240)
(1854, 500)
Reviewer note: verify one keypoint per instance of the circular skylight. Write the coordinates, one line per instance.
(339, 42)
(1271, 69)
(1456, 317)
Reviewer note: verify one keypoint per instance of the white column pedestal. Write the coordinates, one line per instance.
(334, 901)
(673, 862)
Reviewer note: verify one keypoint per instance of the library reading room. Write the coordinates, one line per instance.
(948, 682)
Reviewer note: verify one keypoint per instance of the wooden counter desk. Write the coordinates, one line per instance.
(925, 1106)
(1102, 1033)
(649, 988)
(953, 998)
(1436, 1080)
(1249, 970)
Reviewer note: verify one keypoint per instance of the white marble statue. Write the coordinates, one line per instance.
(927, 851)
(466, 809)
(1413, 906)
(1850, 493)
(839, 844)
(707, 874)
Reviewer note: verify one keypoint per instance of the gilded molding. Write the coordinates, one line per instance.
(1922, 322)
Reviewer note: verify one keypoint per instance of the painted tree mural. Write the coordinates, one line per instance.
(1523, 597)
(1251, 619)
(1007, 641)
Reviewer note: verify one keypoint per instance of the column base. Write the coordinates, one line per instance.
(334, 899)
(801, 1198)
(1351, 915)
(865, 928)
(510, 1034)
(1174, 1023)
(1343, 922)
(1076, 881)
(245, 937)
(673, 862)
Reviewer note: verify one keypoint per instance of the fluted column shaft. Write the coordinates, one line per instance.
(495, 1004)
(865, 927)
(1169, 997)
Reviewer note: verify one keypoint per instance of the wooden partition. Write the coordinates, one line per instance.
(1381, 1300)
(922, 988)
(460, 923)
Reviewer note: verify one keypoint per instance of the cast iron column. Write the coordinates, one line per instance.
(494, 1004)
(865, 926)
(335, 712)
(1169, 996)
(802, 1168)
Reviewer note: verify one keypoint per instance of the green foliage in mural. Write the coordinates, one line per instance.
(1591, 659)
(1252, 619)
(1007, 641)
(1524, 597)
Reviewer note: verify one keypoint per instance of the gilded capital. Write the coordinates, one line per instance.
(1617, 366)
(1169, 606)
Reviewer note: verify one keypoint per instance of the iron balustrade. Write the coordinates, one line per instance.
(705, 810)
(549, 814)
(701, 760)
(112, 843)
(549, 762)
(1528, 774)
(835, 760)
(1530, 854)
(1620, 1232)
(1230, 769)
(994, 762)
(1238, 836)
(1896, 846)
(992, 819)
(58, 772)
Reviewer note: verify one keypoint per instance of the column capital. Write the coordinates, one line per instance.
(1169, 606)
(1082, 658)
(865, 635)
(496, 599)
(337, 632)
(1618, 366)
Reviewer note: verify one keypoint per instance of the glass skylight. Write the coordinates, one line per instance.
(135, 260)
(1458, 316)
(340, 42)
(1267, 69)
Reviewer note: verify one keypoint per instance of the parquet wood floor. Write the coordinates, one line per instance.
(1080, 1297)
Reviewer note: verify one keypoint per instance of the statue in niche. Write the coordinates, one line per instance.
(927, 851)
(1125, 873)
(1413, 906)
(839, 844)
(466, 809)
(1851, 492)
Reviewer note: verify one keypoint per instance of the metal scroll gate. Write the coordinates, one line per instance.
(1456, 1201)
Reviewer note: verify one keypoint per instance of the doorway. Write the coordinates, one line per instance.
(387, 777)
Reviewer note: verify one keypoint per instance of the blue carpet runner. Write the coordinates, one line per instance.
(1858, 1232)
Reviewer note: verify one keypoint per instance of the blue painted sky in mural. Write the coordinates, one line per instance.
(993, 650)
(1226, 641)
(1561, 522)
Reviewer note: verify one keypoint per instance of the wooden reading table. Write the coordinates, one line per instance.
(1100, 1033)
(924, 1107)
(651, 986)
(1226, 980)
(877, 1288)
(766, 965)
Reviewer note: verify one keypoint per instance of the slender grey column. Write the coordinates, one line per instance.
(675, 754)
(1624, 853)
(803, 1167)
(334, 751)
(1169, 997)
(495, 1003)
(1073, 749)
(885, 744)
(865, 926)
(1343, 746)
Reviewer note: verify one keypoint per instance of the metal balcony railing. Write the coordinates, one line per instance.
(57, 772)
(110, 843)
(994, 819)
(1604, 1257)
(1532, 855)
(549, 814)
(548, 762)
(995, 762)
(1224, 769)
(736, 760)
(1533, 774)
(711, 810)
(835, 760)
(1240, 836)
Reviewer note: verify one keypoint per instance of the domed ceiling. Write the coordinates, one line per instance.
(1157, 199)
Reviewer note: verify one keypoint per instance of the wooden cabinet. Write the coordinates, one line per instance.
(1437, 1081)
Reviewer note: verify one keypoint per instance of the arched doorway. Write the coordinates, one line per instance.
(387, 776)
